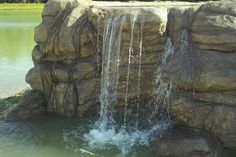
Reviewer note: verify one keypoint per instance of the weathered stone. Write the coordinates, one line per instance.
(227, 97)
(63, 99)
(37, 55)
(30, 106)
(89, 108)
(179, 18)
(183, 142)
(55, 34)
(214, 27)
(40, 77)
(42, 30)
(210, 71)
(54, 7)
(61, 72)
(84, 71)
(87, 37)
(214, 118)
(88, 90)
(228, 141)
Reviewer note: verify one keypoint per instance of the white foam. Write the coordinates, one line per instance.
(123, 140)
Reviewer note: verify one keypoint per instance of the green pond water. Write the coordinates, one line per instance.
(16, 44)
(55, 137)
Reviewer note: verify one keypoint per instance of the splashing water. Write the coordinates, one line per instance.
(106, 131)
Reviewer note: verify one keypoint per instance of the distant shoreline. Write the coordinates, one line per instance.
(22, 6)
(14, 92)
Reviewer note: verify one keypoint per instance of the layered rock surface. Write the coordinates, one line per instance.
(202, 68)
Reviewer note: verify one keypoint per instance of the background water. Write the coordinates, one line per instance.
(16, 44)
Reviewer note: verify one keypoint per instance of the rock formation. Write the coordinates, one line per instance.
(202, 67)
(184, 142)
(30, 106)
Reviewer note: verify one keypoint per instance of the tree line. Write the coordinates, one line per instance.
(23, 1)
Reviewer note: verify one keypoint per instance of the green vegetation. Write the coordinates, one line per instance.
(6, 103)
(21, 6)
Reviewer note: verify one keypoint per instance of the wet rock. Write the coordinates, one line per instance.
(184, 142)
(30, 106)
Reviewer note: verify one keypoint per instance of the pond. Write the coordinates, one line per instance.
(55, 137)
(16, 42)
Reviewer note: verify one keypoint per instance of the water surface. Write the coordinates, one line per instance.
(16, 44)
(55, 137)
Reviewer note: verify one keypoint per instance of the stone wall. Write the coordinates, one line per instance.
(67, 60)
(204, 74)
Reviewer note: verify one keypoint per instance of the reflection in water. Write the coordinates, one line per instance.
(16, 43)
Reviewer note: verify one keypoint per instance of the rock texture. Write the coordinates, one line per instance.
(185, 142)
(31, 106)
(68, 54)
(201, 69)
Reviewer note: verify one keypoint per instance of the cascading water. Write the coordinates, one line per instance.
(107, 131)
(133, 21)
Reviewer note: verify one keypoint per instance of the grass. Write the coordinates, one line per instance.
(6, 103)
(22, 6)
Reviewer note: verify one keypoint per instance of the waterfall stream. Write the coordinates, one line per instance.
(133, 21)
(107, 131)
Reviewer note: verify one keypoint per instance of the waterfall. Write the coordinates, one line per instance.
(133, 21)
(139, 69)
(107, 131)
(110, 69)
(163, 90)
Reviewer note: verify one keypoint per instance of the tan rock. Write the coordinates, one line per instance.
(37, 55)
(213, 27)
(63, 99)
(40, 78)
(84, 71)
(207, 71)
(215, 118)
(87, 90)
(185, 142)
